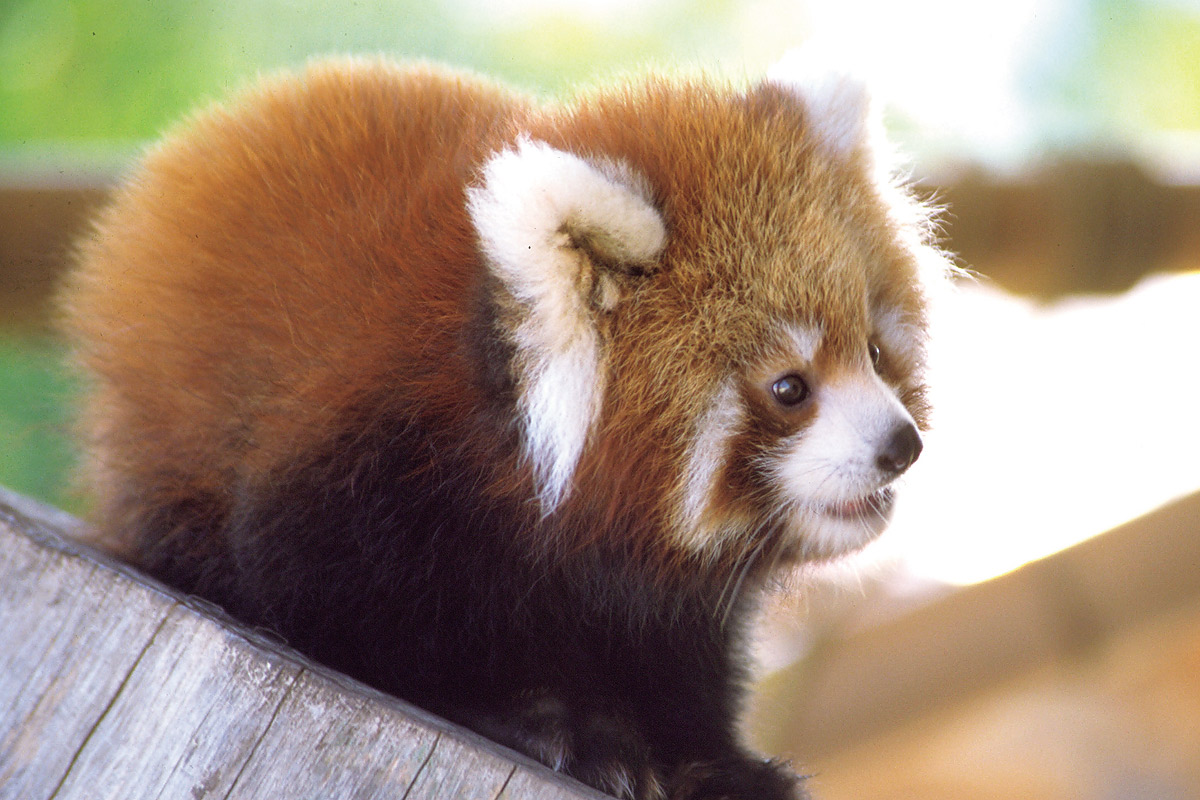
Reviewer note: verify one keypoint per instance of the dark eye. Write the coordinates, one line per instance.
(790, 390)
(873, 352)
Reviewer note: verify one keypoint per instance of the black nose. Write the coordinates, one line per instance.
(901, 450)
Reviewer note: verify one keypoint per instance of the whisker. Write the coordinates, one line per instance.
(729, 596)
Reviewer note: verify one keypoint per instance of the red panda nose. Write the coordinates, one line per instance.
(901, 450)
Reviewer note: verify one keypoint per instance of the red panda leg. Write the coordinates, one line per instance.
(599, 747)
(604, 747)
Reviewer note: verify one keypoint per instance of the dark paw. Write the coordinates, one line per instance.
(736, 779)
(609, 756)
(596, 746)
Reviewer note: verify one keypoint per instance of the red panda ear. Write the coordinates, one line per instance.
(538, 209)
(558, 232)
(838, 108)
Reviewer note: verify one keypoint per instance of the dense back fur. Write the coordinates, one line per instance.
(230, 330)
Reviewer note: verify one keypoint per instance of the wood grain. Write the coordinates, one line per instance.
(112, 686)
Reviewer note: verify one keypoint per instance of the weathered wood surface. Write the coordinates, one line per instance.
(112, 686)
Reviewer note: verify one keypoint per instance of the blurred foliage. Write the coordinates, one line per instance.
(35, 448)
(1116, 69)
(111, 70)
(120, 70)
(1150, 56)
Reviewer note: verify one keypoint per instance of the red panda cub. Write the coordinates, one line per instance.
(506, 409)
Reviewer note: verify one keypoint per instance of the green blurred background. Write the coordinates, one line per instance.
(117, 71)
(85, 83)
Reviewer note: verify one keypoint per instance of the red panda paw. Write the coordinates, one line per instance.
(610, 755)
(591, 742)
(736, 779)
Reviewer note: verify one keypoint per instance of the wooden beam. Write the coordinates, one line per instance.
(40, 218)
(108, 679)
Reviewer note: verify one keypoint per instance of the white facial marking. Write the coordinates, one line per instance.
(827, 472)
(804, 341)
(899, 336)
(531, 203)
(708, 452)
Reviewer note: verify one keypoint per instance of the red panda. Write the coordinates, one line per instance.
(510, 410)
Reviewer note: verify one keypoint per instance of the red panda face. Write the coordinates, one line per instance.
(716, 313)
(812, 438)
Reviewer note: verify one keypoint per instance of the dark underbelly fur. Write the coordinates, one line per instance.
(582, 664)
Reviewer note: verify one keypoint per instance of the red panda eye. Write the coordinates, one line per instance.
(790, 390)
(873, 352)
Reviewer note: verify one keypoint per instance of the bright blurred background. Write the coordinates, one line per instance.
(1064, 135)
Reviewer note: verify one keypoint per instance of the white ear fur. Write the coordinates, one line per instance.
(838, 101)
(541, 215)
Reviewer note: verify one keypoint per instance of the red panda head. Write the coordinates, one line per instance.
(714, 300)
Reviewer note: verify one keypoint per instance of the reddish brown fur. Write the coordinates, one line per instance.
(188, 403)
(248, 393)
(719, 168)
